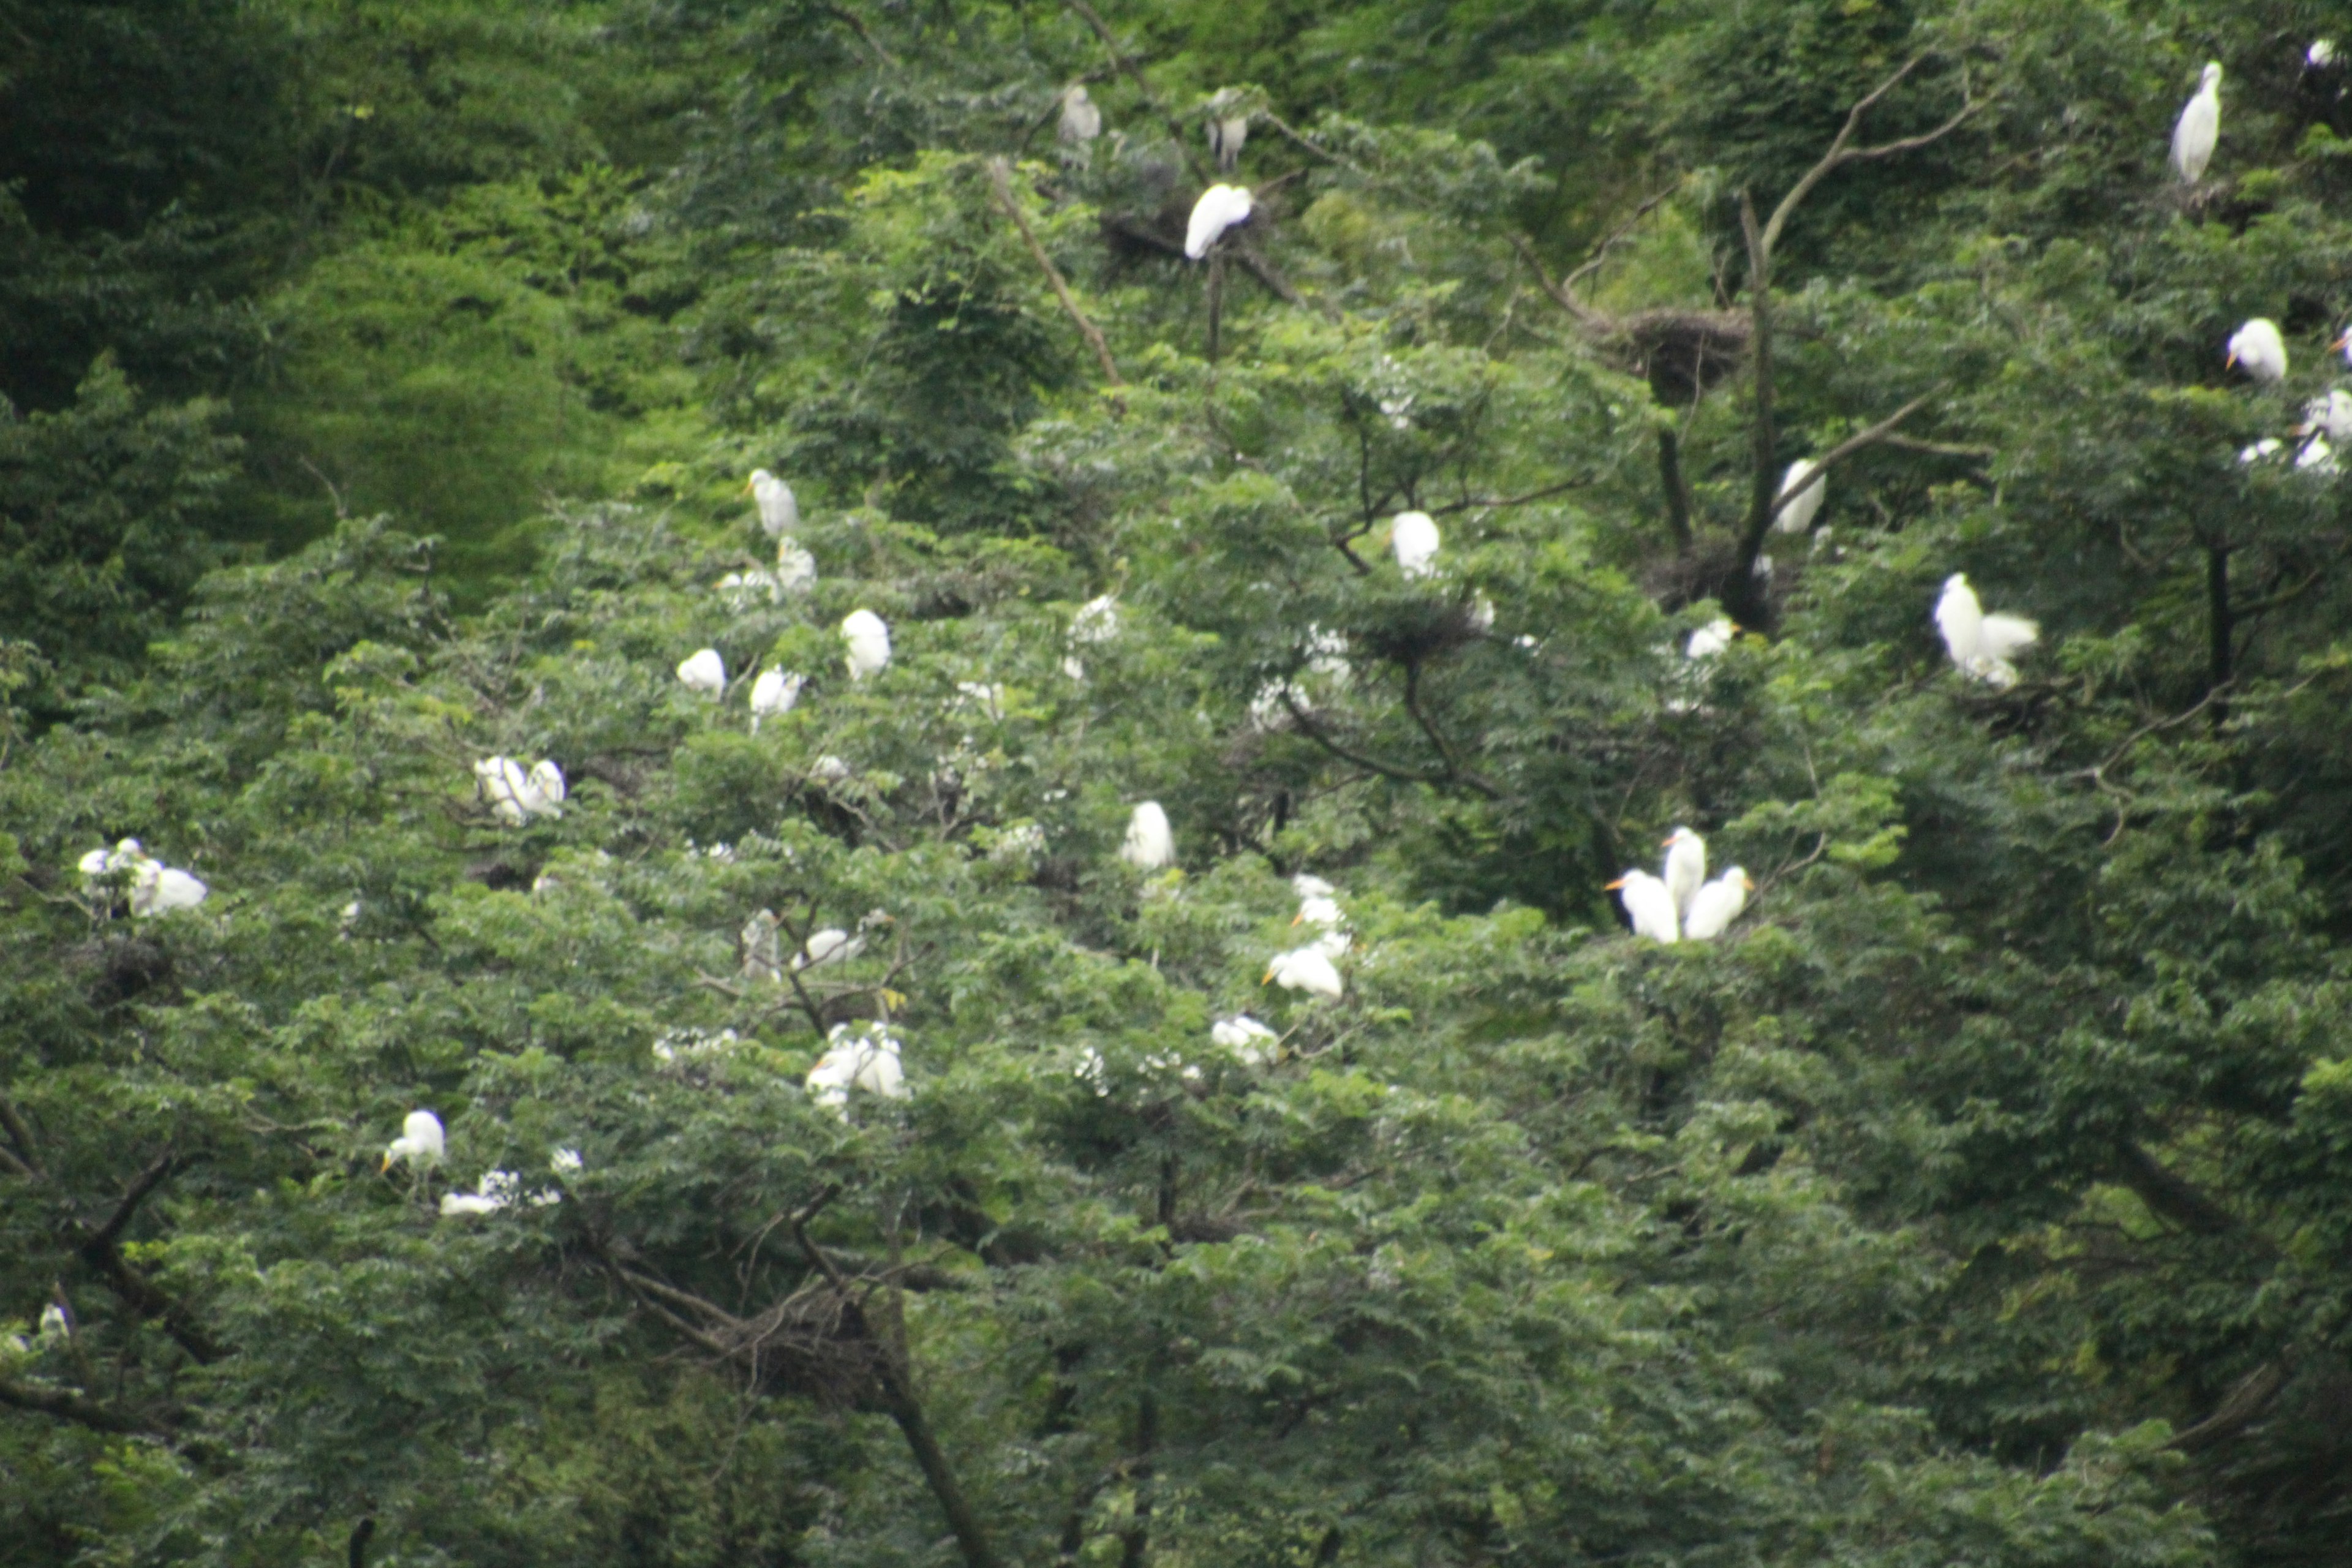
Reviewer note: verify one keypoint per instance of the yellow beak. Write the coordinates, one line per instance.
(1613, 887)
(2337, 346)
(387, 1163)
(1269, 978)
(2231, 363)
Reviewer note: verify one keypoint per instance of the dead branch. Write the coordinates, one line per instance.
(2251, 1396)
(1001, 177)
(1841, 153)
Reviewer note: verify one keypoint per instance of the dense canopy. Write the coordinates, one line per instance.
(733, 829)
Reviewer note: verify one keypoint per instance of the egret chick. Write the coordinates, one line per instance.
(868, 1061)
(867, 637)
(1150, 845)
(1251, 1042)
(780, 511)
(1414, 536)
(2199, 127)
(773, 693)
(1799, 503)
(1711, 639)
(1306, 968)
(1685, 868)
(1081, 120)
(704, 673)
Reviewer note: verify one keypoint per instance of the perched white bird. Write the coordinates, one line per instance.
(2257, 349)
(1311, 886)
(831, 945)
(1081, 120)
(703, 673)
(2320, 55)
(2198, 128)
(1648, 905)
(548, 791)
(2330, 416)
(742, 589)
(1685, 868)
(867, 640)
(780, 511)
(1095, 622)
(1980, 643)
(1221, 207)
(1798, 515)
(774, 692)
(796, 567)
(1227, 135)
(495, 1191)
(2316, 455)
(2268, 447)
(159, 889)
(1149, 844)
(1319, 910)
(1711, 639)
(422, 1142)
(1250, 1041)
(1307, 968)
(1414, 536)
(517, 796)
(762, 953)
(868, 1060)
(1718, 903)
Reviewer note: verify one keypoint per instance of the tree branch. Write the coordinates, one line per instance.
(1135, 73)
(2240, 1406)
(1592, 263)
(65, 1404)
(1840, 153)
(146, 1182)
(1677, 488)
(28, 1157)
(1001, 177)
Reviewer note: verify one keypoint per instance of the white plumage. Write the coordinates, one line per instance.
(1718, 904)
(831, 945)
(2257, 349)
(780, 511)
(1227, 136)
(796, 567)
(773, 693)
(514, 795)
(1648, 905)
(1685, 868)
(1414, 537)
(1221, 207)
(421, 1144)
(1250, 1041)
(1307, 968)
(1980, 644)
(868, 1060)
(2330, 416)
(703, 672)
(1711, 639)
(1081, 120)
(866, 638)
(1798, 515)
(2198, 128)
(1149, 844)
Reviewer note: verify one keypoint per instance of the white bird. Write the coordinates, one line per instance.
(565, 1162)
(780, 511)
(740, 589)
(2257, 349)
(1717, 905)
(546, 789)
(2315, 456)
(828, 946)
(1227, 135)
(796, 567)
(2268, 447)
(517, 796)
(1081, 120)
(2320, 55)
(1798, 515)
(1711, 639)
(160, 889)
(1978, 642)
(867, 639)
(495, 1191)
(762, 954)
(2330, 416)
(2198, 128)
(1648, 905)
(1095, 622)
(1319, 910)
(1307, 968)
(1150, 845)
(1414, 536)
(1221, 207)
(1685, 868)
(422, 1142)
(774, 692)
(703, 673)
(868, 1060)
(1310, 887)
(1246, 1038)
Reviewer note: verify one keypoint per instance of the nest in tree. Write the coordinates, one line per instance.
(1686, 352)
(129, 968)
(814, 1342)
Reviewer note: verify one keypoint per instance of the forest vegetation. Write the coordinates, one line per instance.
(751, 813)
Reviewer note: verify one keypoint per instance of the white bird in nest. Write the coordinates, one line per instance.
(495, 1191)
(796, 567)
(1081, 119)
(1307, 968)
(742, 589)
(1716, 905)
(1711, 639)
(1980, 644)
(2257, 349)
(865, 637)
(780, 511)
(867, 1060)
(1800, 503)
(421, 1144)
(831, 945)
(517, 794)
(1649, 906)
(2198, 128)
(1149, 844)
(704, 673)
(1251, 1042)
(772, 694)
(1221, 207)
(155, 889)
(1685, 868)
(1414, 536)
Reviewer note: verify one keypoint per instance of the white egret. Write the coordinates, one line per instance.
(2257, 349)
(1711, 639)
(1307, 968)
(565, 1162)
(1095, 622)
(422, 1142)
(159, 889)
(2268, 447)
(2320, 55)
(779, 511)
(2315, 456)
(517, 796)
(1648, 905)
(1251, 1042)
(495, 1191)
(547, 789)
(762, 953)
(703, 672)
(1414, 536)
(2198, 128)
(1320, 910)
(1221, 207)
(867, 639)
(831, 945)
(741, 589)
(773, 693)
(1978, 642)
(2330, 416)
(796, 567)
(1227, 135)
(867, 1060)
(1685, 868)
(1311, 886)
(1150, 845)
(1718, 903)
(1081, 120)
(1798, 514)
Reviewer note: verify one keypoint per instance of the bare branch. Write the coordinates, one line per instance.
(146, 1182)
(27, 1149)
(1001, 177)
(1585, 315)
(1609, 242)
(2251, 1396)
(1841, 154)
